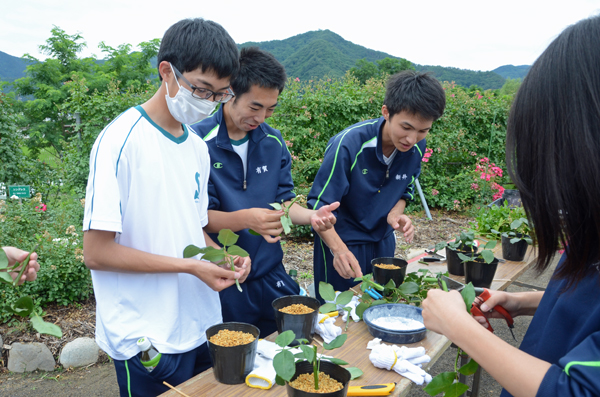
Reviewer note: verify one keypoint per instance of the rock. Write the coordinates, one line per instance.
(27, 357)
(80, 352)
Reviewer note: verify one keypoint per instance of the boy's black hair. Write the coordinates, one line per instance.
(416, 93)
(197, 43)
(258, 67)
(552, 146)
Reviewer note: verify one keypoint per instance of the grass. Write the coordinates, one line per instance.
(47, 155)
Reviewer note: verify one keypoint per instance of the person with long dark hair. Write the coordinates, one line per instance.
(553, 147)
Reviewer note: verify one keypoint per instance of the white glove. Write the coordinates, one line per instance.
(267, 349)
(406, 353)
(396, 358)
(353, 303)
(327, 328)
(263, 374)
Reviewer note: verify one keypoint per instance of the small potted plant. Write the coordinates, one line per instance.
(480, 268)
(464, 244)
(515, 242)
(312, 375)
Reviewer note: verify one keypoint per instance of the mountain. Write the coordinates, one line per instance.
(320, 53)
(512, 72)
(465, 77)
(316, 54)
(11, 67)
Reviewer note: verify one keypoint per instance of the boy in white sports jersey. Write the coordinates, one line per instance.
(146, 200)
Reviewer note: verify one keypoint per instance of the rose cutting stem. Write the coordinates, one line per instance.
(24, 265)
(233, 269)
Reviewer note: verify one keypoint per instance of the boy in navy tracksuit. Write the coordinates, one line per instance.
(370, 168)
(250, 168)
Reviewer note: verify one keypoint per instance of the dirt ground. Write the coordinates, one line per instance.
(79, 320)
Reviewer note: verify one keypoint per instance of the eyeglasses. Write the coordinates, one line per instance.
(204, 93)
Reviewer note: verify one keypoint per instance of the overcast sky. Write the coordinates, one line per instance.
(478, 34)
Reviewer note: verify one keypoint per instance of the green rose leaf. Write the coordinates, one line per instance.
(6, 278)
(354, 372)
(360, 309)
(237, 251)
(456, 389)
(344, 298)
(284, 365)
(327, 308)
(285, 338)
(23, 307)
(213, 255)
(3, 260)
(227, 237)
(279, 380)
(45, 328)
(286, 222)
(469, 368)
(326, 291)
(191, 251)
(309, 353)
(488, 256)
(468, 294)
(252, 232)
(335, 360)
(390, 285)
(490, 245)
(440, 383)
(277, 206)
(337, 342)
(516, 224)
(409, 288)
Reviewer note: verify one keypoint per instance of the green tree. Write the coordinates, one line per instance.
(365, 70)
(11, 156)
(45, 87)
(393, 65)
(510, 87)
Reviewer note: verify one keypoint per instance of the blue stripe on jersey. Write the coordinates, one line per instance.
(95, 161)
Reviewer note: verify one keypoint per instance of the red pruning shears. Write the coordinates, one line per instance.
(482, 295)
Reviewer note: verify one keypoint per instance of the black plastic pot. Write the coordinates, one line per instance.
(480, 273)
(383, 276)
(338, 373)
(455, 265)
(232, 364)
(513, 197)
(514, 252)
(303, 325)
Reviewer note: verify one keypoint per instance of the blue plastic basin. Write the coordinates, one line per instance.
(394, 310)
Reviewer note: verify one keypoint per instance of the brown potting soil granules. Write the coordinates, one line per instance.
(388, 267)
(296, 308)
(229, 338)
(306, 383)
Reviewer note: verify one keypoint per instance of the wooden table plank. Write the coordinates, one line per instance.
(354, 350)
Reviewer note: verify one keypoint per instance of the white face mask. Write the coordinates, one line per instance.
(185, 108)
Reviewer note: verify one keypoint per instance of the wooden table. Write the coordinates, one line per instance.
(354, 350)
